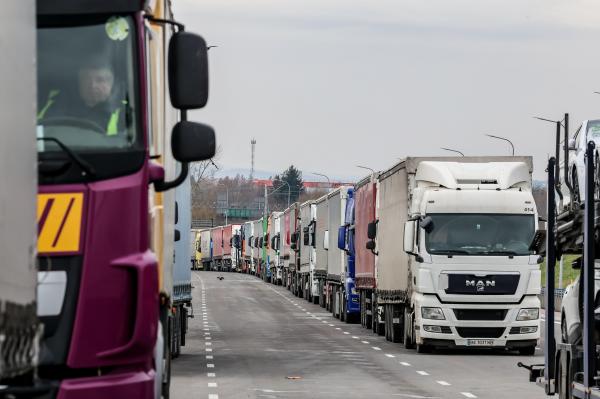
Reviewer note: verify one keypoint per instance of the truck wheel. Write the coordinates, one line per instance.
(422, 348)
(343, 315)
(321, 296)
(527, 350)
(396, 328)
(183, 324)
(408, 329)
(386, 323)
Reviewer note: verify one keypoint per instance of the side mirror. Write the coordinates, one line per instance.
(341, 238)
(326, 240)
(409, 236)
(572, 145)
(370, 245)
(192, 142)
(427, 224)
(538, 243)
(372, 230)
(188, 71)
(576, 264)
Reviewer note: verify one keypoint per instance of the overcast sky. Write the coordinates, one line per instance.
(329, 84)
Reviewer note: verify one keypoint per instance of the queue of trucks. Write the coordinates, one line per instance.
(109, 308)
(432, 252)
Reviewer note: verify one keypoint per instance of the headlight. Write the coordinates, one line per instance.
(528, 314)
(432, 313)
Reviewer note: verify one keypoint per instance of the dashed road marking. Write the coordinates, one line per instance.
(444, 383)
(208, 343)
(207, 337)
(376, 348)
(338, 328)
(208, 349)
(213, 396)
(389, 355)
(468, 395)
(210, 366)
(211, 375)
(212, 384)
(405, 364)
(331, 325)
(365, 342)
(346, 332)
(421, 372)
(209, 357)
(355, 337)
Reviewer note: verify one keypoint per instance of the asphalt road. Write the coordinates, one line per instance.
(250, 339)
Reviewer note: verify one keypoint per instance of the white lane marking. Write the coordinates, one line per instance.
(365, 342)
(208, 338)
(209, 357)
(405, 364)
(331, 325)
(213, 396)
(421, 372)
(206, 333)
(211, 375)
(208, 350)
(444, 383)
(355, 337)
(208, 343)
(212, 384)
(207, 329)
(376, 348)
(468, 395)
(338, 328)
(346, 332)
(324, 322)
(389, 355)
(210, 366)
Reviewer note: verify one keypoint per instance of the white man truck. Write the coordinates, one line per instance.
(466, 276)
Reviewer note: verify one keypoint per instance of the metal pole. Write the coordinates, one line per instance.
(325, 176)
(560, 272)
(549, 343)
(589, 348)
(226, 204)
(566, 161)
(557, 166)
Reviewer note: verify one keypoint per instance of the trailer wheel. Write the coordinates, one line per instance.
(396, 328)
(386, 323)
(408, 329)
(343, 316)
(527, 350)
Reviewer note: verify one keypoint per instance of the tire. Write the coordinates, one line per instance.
(527, 350)
(563, 330)
(422, 348)
(387, 330)
(184, 319)
(408, 335)
(396, 331)
(166, 383)
(343, 315)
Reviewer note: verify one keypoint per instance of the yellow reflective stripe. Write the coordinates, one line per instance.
(112, 128)
(49, 102)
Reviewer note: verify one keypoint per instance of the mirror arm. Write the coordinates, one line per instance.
(375, 253)
(161, 185)
(179, 25)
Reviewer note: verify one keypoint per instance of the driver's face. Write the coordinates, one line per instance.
(95, 85)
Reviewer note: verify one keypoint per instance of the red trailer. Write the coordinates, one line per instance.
(365, 193)
(216, 238)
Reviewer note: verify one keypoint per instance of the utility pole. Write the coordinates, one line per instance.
(252, 145)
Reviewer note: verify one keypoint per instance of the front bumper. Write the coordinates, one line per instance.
(481, 333)
(126, 385)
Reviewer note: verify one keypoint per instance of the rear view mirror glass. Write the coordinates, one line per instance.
(188, 71)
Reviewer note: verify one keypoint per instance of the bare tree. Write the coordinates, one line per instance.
(203, 170)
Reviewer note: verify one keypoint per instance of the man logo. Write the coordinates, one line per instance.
(480, 285)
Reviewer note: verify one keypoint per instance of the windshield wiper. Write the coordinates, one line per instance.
(504, 252)
(82, 163)
(451, 252)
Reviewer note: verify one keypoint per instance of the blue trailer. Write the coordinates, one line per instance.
(346, 243)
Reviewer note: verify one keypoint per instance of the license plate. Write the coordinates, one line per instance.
(480, 342)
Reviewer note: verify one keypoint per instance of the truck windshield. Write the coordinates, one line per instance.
(86, 85)
(480, 234)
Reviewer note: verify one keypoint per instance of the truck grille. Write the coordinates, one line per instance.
(480, 314)
(480, 332)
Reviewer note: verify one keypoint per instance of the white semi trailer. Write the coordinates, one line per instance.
(466, 276)
(307, 251)
(321, 249)
(19, 327)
